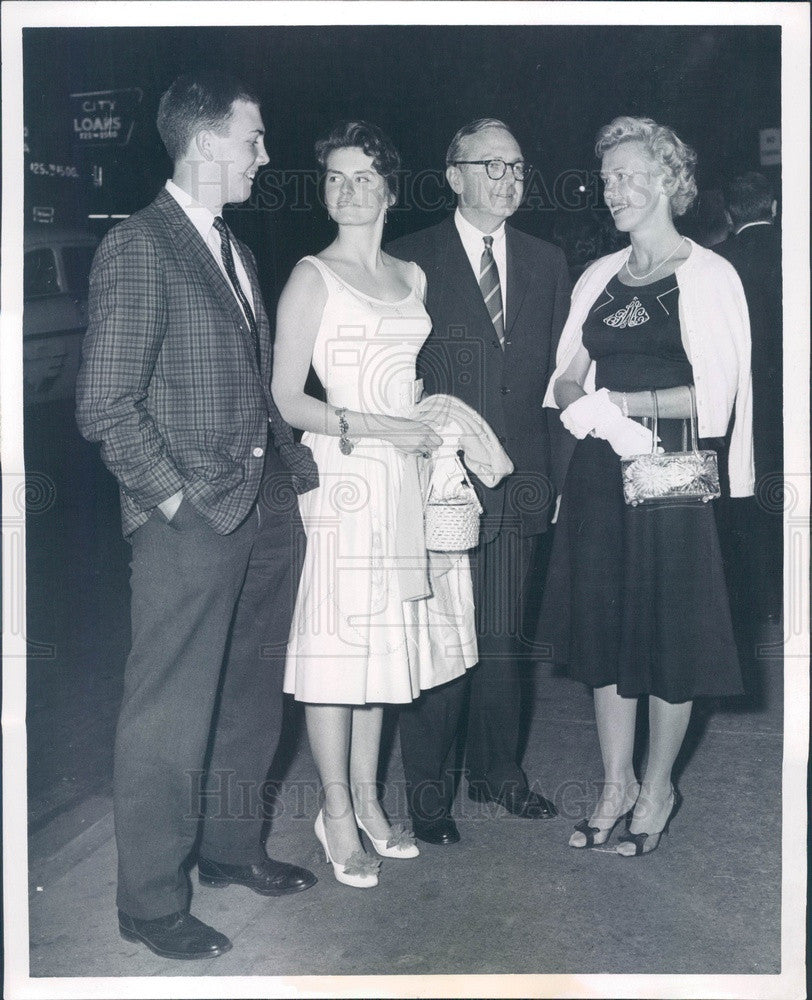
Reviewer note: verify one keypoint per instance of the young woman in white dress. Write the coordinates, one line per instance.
(360, 635)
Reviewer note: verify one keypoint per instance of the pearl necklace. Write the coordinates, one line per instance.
(641, 277)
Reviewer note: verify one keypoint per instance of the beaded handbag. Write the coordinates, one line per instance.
(669, 477)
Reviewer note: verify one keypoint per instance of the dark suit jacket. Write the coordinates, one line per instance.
(170, 383)
(756, 255)
(462, 357)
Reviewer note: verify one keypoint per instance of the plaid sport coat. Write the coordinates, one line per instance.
(169, 382)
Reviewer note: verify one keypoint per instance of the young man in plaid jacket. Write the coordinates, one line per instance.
(175, 385)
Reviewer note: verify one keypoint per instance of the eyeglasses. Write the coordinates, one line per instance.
(495, 169)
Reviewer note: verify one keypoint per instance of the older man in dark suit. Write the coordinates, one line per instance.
(498, 299)
(175, 385)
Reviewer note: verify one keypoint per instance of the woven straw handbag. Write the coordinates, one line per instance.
(452, 525)
(671, 477)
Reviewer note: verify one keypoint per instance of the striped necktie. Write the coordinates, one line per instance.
(228, 262)
(491, 289)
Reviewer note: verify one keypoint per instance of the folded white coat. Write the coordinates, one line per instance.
(462, 429)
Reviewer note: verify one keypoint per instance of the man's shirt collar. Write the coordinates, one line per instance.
(202, 218)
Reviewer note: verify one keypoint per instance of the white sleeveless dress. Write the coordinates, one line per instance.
(354, 639)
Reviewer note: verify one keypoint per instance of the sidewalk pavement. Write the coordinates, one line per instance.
(512, 897)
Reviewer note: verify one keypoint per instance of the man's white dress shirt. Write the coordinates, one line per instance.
(474, 246)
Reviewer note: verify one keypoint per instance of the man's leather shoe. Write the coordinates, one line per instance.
(179, 935)
(441, 831)
(520, 802)
(268, 877)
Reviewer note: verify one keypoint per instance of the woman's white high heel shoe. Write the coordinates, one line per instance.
(400, 845)
(360, 870)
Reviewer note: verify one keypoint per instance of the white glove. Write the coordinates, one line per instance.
(597, 413)
(589, 412)
(627, 437)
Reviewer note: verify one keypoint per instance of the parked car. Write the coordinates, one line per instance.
(56, 274)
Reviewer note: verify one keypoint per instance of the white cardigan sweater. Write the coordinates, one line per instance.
(716, 335)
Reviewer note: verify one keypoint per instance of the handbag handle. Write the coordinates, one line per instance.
(656, 411)
(694, 421)
(465, 481)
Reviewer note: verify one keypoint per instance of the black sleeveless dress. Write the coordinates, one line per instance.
(636, 596)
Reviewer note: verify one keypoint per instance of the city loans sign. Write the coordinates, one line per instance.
(104, 116)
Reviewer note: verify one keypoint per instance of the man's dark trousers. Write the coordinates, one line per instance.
(187, 580)
(428, 727)
(463, 357)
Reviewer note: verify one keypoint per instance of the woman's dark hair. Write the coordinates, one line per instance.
(374, 142)
(198, 101)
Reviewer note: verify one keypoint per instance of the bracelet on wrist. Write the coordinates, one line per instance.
(624, 404)
(344, 442)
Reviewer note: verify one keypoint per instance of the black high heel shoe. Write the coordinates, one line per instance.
(590, 831)
(641, 839)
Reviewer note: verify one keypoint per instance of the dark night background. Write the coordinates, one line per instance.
(555, 86)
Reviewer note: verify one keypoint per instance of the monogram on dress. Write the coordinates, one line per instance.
(634, 314)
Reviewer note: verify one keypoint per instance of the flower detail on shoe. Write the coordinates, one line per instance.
(401, 837)
(361, 863)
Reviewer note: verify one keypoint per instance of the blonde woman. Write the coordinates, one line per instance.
(644, 608)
